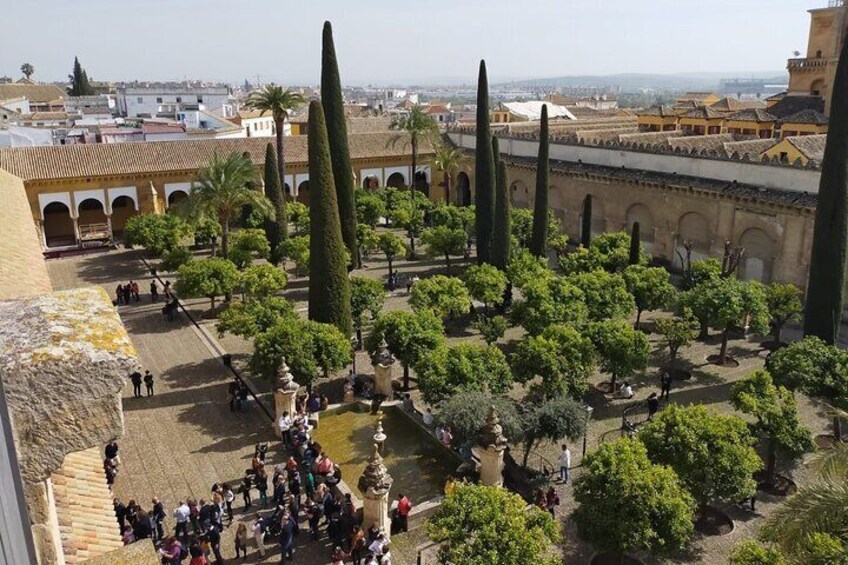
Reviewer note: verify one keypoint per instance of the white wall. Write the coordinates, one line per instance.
(756, 174)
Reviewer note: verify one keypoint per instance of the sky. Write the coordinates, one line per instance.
(399, 41)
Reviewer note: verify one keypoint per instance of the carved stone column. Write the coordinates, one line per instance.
(493, 444)
(383, 362)
(285, 394)
(374, 484)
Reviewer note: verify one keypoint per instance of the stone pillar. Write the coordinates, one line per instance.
(109, 227)
(77, 235)
(374, 484)
(285, 394)
(493, 444)
(383, 362)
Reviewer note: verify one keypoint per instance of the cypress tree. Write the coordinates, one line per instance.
(276, 230)
(484, 171)
(539, 239)
(586, 226)
(333, 102)
(635, 245)
(825, 290)
(80, 86)
(502, 225)
(329, 286)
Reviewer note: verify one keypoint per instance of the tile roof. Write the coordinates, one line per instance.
(436, 109)
(660, 111)
(106, 159)
(789, 105)
(751, 115)
(35, 116)
(36, 93)
(696, 96)
(811, 146)
(650, 137)
(700, 143)
(703, 113)
(751, 149)
(729, 104)
(807, 116)
(87, 522)
(162, 128)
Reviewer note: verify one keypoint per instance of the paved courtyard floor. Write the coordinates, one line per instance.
(183, 439)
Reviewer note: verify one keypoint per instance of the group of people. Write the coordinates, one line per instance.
(136, 378)
(124, 294)
(237, 393)
(547, 501)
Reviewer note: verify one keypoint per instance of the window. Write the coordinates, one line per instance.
(784, 156)
(140, 100)
(254, 126)
(199, 99)
(159, 100)
(179, 99)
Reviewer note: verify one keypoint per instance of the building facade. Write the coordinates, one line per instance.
(143, 102)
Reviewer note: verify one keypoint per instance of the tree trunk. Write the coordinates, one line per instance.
(447, 188)
(358, 339)
(705, 330)
(281, 159)
(214, 245)
(389, 259)
(612, 383)
(771, 462)
(638, 318)
(411, 245)
(447, 263)
(672, 354)
(777, 331)
(405, 376)
(722, 355)
(528, 447)
(225, 238)
(212, 298)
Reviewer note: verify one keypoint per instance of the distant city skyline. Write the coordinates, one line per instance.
(387, 42)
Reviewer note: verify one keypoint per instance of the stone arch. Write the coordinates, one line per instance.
(303, 192)
(556, 202)
(176, 197)
(421, 183)
(519, 193)
(817, 87)
(371, 182)
(640, 213)
(759, 257)
(463, 189)
(396, 180)
(58, 225)
(123, 208)
(693, 227)
(90, 211)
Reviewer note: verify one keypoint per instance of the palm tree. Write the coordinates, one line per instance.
(225, 186)
(27, 69)
(447, 160)
(279, 102)
(816, 508)
(419, 126)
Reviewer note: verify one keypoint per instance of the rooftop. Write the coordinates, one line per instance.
(730, 104)
(751, 115)
(811, 146)
(751, 149)
(808, 116)
(660, 111)
(703, 113)
(35, 93)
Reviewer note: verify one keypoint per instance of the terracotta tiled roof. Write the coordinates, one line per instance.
(87, 522)
(105, 159)
(729, 104)
(704, 113)
(651, 137)
(436, 109)
(807, 116)
(36, 93)
(701, 142)
(660, 111)
(162, 128)
(752, 149)
(47, 116)
(751, 115)
(789, 105)
(811, 146)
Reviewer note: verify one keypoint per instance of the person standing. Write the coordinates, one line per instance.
(120, 512)
(284, 423)
(564, 463)
(404, 507)
(653, 405)
(665, 385)
(262, 486)
(229, 497)
(154, 291)
(246, 485)
(213, 536)
(241, 540)
(182, 514)
(135, 377)
(134, 290)
(158, 515)
(167, 289)
(148, 382)
(287, 532)
(357, 545)
(258, 529)
(551, 500)
(119, 295)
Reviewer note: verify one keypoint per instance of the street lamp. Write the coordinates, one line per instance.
(589, 411)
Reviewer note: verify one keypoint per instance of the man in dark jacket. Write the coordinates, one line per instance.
(135, 377)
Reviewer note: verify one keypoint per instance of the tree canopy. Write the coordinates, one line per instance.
(485, 283)
(466, 412)
(504, 531)
(263, 280)
(409, 336)
(447, 370)
(248, 318)
(443, 241)
(784, 306)
(208, 278)
(550, 300)
(605, 294)
(650, 286)
(446, 297)
(553, 419)
(158, 233)
(622, 350)
(366, 296)
(562, 357)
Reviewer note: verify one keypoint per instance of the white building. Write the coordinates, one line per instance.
(142, 102)
(255, 124)
(99, 104)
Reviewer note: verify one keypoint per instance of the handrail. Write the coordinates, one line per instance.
(232, 369)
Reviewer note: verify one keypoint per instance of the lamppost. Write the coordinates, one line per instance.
(589, 411)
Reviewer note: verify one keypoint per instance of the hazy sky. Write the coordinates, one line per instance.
(382, 41)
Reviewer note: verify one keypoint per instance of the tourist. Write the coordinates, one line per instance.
(213, 536)
(218, 509)
(111, 452)
(665, 385)
(258, 529)
(128, 537)
(194, 515)
(407, 403)
(427, 417)
(204, 514)
(135, 378)
(564, 463)
(148, 382)
(120, 512)
(246, 484)
(288, 529)
(182, 513)
(294, 488)
(314, 512)
(241, 540)
(285, 423)
(197, 556)
(127, 293)
(119, 295)
(377, 545)
(131, 513)
(167, 290)
(256, 463)
(447, 437)
(134, 290)
(241, 396)
(111, 472)
(310, 483)
(325, 402)
(371, 559)
(171, 551)
(262, 486)
(540, 500)
(232, 394)
(229, 496)
(653, 405)
(325, 465)
(313, 405)
(404, 507)
(142, 528)
(338, 557)
(357, 545)
(158, 514)
(373, 533)
(261, 450)
(386, 558)
(626, 391)
(551, 500)
(154, 291)
(279, 490)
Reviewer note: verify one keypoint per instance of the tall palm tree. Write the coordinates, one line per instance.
(225, 186)
(816, 508)
(419, 126)
(279, 102)
(447, 160)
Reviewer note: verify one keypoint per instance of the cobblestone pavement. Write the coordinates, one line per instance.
(183, 439)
